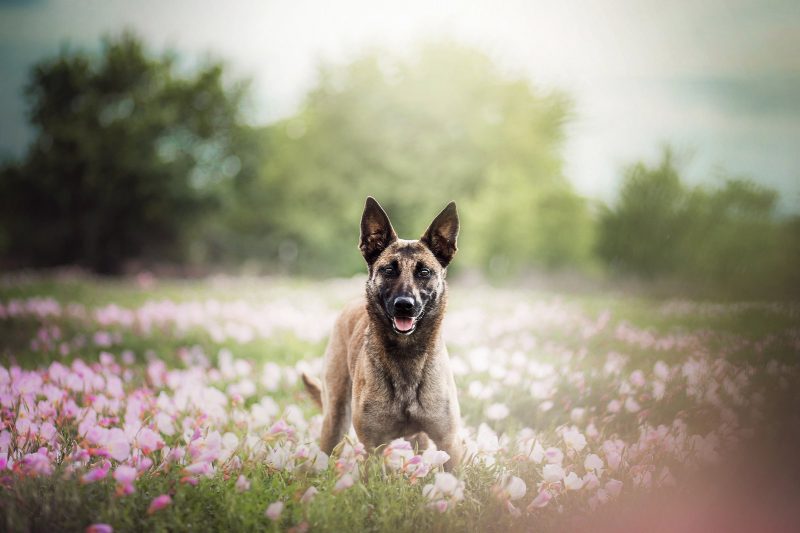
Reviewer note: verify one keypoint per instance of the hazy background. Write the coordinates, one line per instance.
(546, 121)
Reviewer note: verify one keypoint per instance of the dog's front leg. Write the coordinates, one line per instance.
(451, 443)
(337, 413)
(368, 434)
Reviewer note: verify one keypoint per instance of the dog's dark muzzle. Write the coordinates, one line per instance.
(404, 314)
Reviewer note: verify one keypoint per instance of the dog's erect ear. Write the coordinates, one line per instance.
(441, 236)
(376, 231)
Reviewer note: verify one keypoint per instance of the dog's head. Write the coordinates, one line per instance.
(407, 278)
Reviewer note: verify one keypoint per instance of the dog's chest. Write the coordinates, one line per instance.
(406, 402)
(395, 402)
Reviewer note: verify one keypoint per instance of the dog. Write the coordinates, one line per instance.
(386, 367)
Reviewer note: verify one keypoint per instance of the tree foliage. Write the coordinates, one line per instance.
(128, 152)
(416, 131)
(723, 238)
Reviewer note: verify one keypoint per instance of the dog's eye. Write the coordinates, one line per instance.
(424, 273)
(388, 271)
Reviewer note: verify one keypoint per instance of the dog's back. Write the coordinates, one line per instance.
(344, 347)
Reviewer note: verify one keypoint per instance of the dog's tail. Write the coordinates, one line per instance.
(314, 388)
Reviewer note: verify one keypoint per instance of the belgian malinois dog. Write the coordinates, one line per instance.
(386, 367)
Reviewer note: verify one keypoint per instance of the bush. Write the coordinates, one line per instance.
(726, 239)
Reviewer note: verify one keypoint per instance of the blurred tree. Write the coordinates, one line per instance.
(415, 132)
(128, 153)
(726, 239)
(640, 234)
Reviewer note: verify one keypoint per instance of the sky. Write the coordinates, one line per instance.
(717, 80)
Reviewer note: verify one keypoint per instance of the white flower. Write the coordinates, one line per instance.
(445, 482)
(593, 462)
(631, 405)
(661, 370)
(552, 472)
(574, 439)
(496, 411)
(435, 458)
(573, 482)
(554, 455)
(512, 487)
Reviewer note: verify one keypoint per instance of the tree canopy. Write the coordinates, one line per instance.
(128, 152)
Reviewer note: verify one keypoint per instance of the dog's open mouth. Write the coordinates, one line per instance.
(404, 324)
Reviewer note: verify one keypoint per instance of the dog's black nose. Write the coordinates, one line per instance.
(404, 304)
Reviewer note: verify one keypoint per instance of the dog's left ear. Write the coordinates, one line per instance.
(441, 236)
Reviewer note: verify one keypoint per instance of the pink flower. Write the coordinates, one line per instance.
(117, 445)
(158, 503)
(344, 482)
(242, 484)
(125, 474)
(38, 463)
(96, 474)
(99, 528)
(614, 406)
(638, 379)
(541, 500)
(144, 464)
(176, 454)
(416, 467)
(613, 450)
(202, 468)
(148, 440)
(397, 452)
(274, 510)
(281, 428)
(631, 405)
(309, 494)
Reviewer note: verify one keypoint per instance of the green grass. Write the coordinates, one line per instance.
(381, 501)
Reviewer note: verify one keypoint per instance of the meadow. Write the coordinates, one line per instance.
(165, 405)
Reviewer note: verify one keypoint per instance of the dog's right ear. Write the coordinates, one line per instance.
(376, 231)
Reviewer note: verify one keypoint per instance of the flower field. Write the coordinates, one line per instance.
(165, 405)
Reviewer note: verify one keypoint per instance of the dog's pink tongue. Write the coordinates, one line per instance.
(403, 323)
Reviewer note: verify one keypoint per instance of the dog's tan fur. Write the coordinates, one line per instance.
(391, 384)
